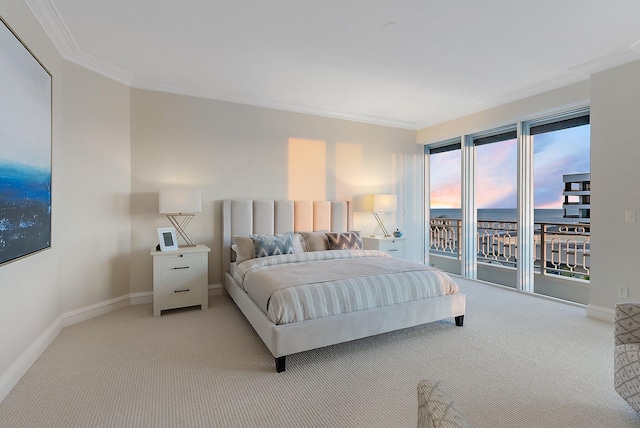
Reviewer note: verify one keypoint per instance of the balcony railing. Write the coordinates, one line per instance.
(560, 248)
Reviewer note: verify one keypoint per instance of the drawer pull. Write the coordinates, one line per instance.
(181, 291)
(181, 267)
(393, 249)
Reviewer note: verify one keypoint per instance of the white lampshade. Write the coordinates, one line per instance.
(375, 203)
(180, 201)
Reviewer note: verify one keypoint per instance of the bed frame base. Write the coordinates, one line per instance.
(281, 362)
(287, 339)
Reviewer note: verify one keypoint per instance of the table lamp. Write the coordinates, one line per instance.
(377, 205)
(179, 205)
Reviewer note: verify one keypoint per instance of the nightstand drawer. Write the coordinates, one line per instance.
(394, 248)
(177, 293)
(187, 266)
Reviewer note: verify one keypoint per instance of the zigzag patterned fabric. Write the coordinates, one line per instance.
(272, 245)
(627, 353)
(345, 241)
(436, 409)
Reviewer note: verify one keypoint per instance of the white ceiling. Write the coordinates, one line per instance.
(404, 63)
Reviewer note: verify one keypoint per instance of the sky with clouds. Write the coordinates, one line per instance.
(555, 154)
(25, 106)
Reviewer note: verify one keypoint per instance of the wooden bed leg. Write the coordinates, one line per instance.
(459, 320)
(280, 363)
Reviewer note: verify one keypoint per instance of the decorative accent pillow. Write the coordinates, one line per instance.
(298, 243)
(272, 245)
(315, 241)
(243, 247)
(344, 241)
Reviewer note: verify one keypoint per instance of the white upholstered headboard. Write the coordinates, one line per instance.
(245, 216)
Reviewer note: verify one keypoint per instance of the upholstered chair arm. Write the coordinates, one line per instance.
(627, 323)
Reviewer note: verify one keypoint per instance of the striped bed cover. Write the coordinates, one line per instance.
(296, 287)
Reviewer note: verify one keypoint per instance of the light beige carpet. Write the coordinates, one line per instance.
(519, 361)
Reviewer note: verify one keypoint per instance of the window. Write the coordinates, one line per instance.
(496, 200)
(562, 182)
(444, 174)
(445, 197)
(525, 193)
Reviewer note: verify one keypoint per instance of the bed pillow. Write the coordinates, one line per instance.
(315, 241)
(272, 245)
(299, 245)
(344, 241)
(243, 247)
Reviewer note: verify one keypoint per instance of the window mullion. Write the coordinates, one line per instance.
(469, 267)
(427, 207)
(526, 247)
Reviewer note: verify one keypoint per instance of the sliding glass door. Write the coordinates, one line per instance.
(562, 199)
(512, 205)
(496, 187)
(443, 216)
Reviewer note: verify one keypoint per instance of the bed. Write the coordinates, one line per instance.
(285, 334)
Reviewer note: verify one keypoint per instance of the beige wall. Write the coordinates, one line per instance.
(615, 176)
(92, 182)
(88, 261)
(236, 151)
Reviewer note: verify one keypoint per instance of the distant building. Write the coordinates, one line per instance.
(577, 197)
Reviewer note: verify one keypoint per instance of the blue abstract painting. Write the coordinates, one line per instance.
(25, 150)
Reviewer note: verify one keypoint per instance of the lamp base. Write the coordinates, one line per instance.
(380, 226)
(181, 226)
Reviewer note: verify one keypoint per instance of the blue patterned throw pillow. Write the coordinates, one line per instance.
(345, 241)
(272, 245)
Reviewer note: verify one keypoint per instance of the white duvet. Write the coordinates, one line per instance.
(301, 286)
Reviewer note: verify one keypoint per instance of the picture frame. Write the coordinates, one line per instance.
(25, 150)
(167, 237)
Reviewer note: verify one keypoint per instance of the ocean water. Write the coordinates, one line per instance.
(25, 211)
(505, 214)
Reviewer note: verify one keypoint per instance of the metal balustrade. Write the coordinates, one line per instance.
(560, 248)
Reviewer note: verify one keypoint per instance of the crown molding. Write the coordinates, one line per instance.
(278, 105)
(606, 62)
(573, 75)
(517, 95)
(50, 19)
(47, 14)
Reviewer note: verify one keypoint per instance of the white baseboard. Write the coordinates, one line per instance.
(88, 312)
(14, 373)
(141, 298)
(215, 290)
(600, 313)
(10, 378)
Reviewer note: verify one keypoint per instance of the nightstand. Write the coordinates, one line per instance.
(393, 246)
(180, 278)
